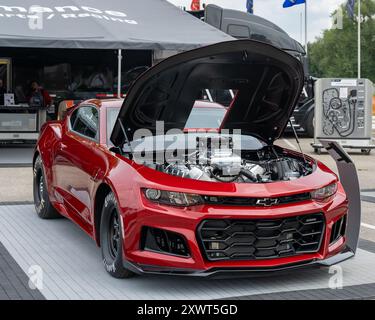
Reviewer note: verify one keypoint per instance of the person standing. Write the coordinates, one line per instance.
(38, 97)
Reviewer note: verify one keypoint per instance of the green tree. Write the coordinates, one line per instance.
(335, 53)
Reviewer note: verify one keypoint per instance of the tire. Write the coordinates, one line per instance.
(318, 150)
(309, 125)
(43, 206)
(111, 239)
(366, 151)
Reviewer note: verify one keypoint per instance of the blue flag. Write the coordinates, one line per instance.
(350, 8)
(291, 3)
(249, 6)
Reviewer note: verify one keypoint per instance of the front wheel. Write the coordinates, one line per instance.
(43, 205)
(111, 239)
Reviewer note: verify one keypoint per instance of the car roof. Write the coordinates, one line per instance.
(208, 104)
(117, 103)
(104, 103)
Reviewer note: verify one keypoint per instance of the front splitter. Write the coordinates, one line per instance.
(223, 273)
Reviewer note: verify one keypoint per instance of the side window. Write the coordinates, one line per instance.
(85, 121)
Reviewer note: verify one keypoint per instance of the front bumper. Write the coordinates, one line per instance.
(238, 272)
(186, 221)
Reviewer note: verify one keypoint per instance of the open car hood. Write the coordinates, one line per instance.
(267, 82)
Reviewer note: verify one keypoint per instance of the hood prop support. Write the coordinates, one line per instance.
(297, 140)
(127, 141)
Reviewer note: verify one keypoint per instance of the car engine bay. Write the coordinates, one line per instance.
(268, 164)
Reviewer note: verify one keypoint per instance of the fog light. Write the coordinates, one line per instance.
(338, 230)
(159, 240)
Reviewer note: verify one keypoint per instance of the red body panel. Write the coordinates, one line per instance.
(75, 167)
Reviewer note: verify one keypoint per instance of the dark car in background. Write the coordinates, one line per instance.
(303, 115)
(242, 25)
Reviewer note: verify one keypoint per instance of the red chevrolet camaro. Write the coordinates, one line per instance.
(165, 182)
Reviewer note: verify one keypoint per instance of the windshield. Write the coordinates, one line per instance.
(112, 114)
(201, 117)
(205, 118)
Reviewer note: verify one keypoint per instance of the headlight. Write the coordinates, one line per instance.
(325, 192)
(173, 198)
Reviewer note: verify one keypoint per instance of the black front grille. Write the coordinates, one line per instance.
(261, 239)
(257, 202)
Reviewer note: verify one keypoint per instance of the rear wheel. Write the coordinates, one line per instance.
(111, 239)
(366, 151)
(317, 150)
(43, 206)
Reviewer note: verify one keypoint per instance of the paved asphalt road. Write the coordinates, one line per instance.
(16, 183)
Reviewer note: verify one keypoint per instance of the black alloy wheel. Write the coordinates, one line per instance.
(43, 205)
(111, 239)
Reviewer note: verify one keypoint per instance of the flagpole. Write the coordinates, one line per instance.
(359, 39)
(306, 26)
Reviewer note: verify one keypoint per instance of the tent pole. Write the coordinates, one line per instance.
(119, 58)
(359, 40)
(306, 27)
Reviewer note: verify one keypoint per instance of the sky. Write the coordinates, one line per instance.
(318, 16)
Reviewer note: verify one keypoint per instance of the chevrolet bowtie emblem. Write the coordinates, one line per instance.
(267, 202)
